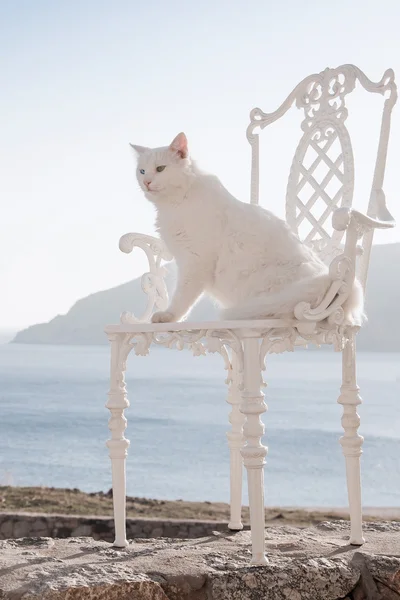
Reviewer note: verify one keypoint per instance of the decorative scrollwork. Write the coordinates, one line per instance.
(273, 341)
(153, 283)
(337, 316)
(141, 343)
(308, 95)
(340, 267)
(330, 335)
(342, 275)
(198, 341)
(230, 338)
(214, 344)
(322, 97)
(343, 217)
(318, 142)
(276, 341)
(182, 339)
(124, 350)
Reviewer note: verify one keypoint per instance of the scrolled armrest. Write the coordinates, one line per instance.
(129, 241)
(342, 270)
(153, 283)
(342, 217)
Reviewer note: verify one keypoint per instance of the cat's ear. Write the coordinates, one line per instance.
(180, 145)
(138, 149)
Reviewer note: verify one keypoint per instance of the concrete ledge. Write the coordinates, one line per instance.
(305, 564)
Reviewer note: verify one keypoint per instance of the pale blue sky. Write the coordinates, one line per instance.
(80, 79)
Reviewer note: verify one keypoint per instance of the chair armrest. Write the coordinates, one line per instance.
(342, 269)
(342, 217)
(129, 241)
(153, 283)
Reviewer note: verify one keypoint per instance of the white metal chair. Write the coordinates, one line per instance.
(245, 344)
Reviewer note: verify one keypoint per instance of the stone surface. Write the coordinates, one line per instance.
(16, 525)
(305, 564)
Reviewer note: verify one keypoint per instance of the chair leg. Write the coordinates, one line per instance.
(235, 442)
(118, 444)
(254, 452)
(351, 441)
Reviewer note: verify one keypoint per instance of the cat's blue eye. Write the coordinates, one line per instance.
(160, 168)
(142, 171)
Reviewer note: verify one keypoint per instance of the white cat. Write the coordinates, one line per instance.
(245, 257)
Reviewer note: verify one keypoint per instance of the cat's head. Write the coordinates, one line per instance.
(162, 172)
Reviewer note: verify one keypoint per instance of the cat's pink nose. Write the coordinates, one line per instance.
(147, 183)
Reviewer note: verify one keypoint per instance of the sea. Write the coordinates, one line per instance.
(53, 424)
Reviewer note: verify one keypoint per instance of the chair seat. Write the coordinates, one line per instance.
(278, 335)
(201, 325)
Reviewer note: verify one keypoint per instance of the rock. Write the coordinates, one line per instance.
(6, 529)
(21, 529)
(304, 564)
(82, 530)
(317, 579)
(185, 587)
(385, 571)
(101, 528)
(380, 579)
(387, 593)
(40, 528)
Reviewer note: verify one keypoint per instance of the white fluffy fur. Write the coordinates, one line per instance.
(245, 257)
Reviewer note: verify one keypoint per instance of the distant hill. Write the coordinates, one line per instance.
(6, 335)
(382, 332)
(84, 323)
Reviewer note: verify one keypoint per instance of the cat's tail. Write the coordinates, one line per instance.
(281, 304)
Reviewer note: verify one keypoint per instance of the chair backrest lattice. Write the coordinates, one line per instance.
(321, 177)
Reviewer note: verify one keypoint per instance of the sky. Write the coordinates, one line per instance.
(81, 79)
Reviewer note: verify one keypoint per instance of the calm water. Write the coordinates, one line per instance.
(53, 424)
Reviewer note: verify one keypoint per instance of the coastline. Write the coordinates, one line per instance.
(75, 502)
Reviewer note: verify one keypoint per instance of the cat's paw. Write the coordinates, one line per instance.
(162, 317)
